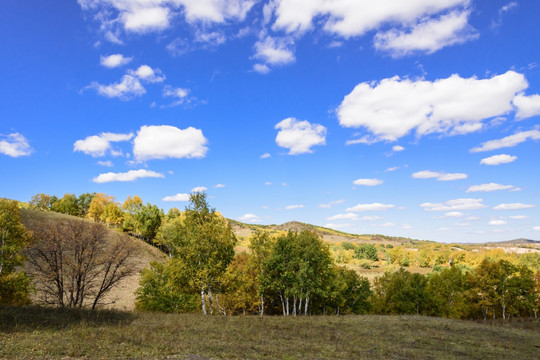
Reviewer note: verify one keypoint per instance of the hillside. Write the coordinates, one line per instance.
(123, 295)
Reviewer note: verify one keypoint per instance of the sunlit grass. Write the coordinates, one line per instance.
(30, 333)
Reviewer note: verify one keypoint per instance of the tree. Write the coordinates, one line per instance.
(131, 206)
(445, 291)
(205, 246)
(260, 245)
(75, 263)
(240, 286)
(366, 251)
(42, 202)
(84, 201)
(96, 208)
(147, 221)
(68, 204)
(14, 286)
(399, 292)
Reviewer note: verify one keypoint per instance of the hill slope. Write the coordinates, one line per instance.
(124, 294)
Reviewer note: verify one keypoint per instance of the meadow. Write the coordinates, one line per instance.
(47, 333)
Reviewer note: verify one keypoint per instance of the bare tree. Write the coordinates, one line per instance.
(75, 263)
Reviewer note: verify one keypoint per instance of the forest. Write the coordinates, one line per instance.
(210, 270)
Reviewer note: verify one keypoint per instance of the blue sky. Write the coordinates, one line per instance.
(410, 118)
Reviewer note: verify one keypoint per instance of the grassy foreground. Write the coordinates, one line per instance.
(38, 333)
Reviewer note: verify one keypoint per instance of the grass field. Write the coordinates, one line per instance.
(38, 333)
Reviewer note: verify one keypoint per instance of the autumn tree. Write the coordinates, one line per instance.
(84, 200)
(14, 285)
(68, 204)
(260, 245)
(399, 292)
(97, 206)
(42, 202)
(147, 221)
(76, 263)
(130, 207)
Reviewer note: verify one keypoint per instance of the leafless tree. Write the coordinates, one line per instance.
(75, 263)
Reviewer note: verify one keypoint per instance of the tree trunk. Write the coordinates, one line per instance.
(300, 306)
(287, 305)
(203, 302)
(262, 306)
(306, 306)
(294, 306)
(282, 303)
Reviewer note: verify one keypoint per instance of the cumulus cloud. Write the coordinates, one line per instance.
(508, 141)
(131, 175)
(518, 217)
(454, 214)
(177, 197)
(299, 136)
(394, 107)
(498, 159)
(393, 168)
(367, 182)
(100, 145)
(371, 207)
(348, 216)
(128, 87)
(144, 16)
(165, 141)
(219, 186)
(497, 222)
(261, 68)
(428, 35)
(337, 226)
(331, 203)
(440, 176)
(291, 207)
(14, 145)
(513, 206)
(114, 60)
(107, 163)
(249, 218)
(199, 189)
(146, 73)
(265, 156)
(536, 228)
(454, 205)
(527, 106)
(179, 94)
(397, 148)
(490, 187)
(273, 51)
(354, 18)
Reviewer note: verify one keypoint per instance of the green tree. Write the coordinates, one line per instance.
(131, 206)
(205, 245)
(446, 293)
(68, 204)
(147, 221)
(42, 202)
(399, 292)
(366, 251)
(84, 201)
(260, 245)
(14, 238)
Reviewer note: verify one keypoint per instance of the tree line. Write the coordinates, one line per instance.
(292, 273)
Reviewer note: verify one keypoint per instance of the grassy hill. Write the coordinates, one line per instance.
(124, 294)
(34, 333)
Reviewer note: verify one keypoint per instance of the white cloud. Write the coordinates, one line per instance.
(354, 18)
(165, 141)
(498, 159)
(199, 189)
(291, 207)
(388, 224)
(261, 68)
(146, 73)
(393, 168)
(518, 217)
(180, 94)
(114, 60)
(371, 207)
(337, 226)
(455, 205)
(397, 148)
(406, 227)
(249, 218)
(367, 182)
(440, 176)
(513, 206)
(497, 222)
(428, 35)
(508, 141)
(144, 16)
(331, 203)
(128, 87)
(177, 197)
(527, 106)
(274, 51)
(100, 145)
(268, 183)
(265, 156)
(219, 186)
(370, 218)
(14, 145)
(490, 187)
(393, 107)
(107, 163)
(348, 216)
(131, 175)
(299, 136)
(536, 228)
(453, 214)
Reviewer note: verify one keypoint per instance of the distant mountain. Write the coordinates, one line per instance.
(520, 241)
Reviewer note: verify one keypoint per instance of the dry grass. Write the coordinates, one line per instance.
(36, 333)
